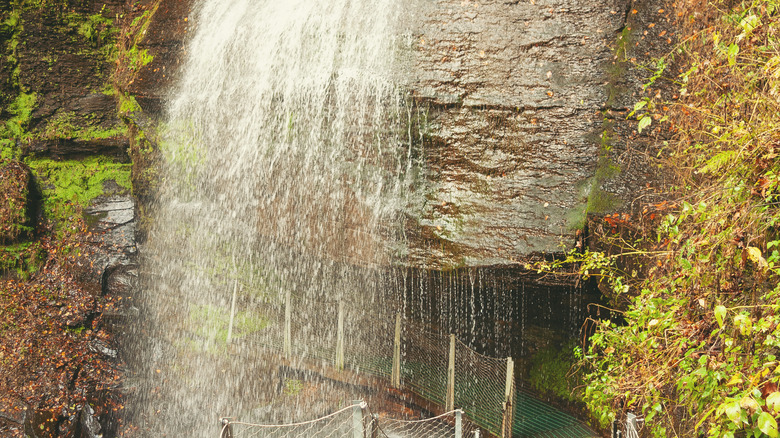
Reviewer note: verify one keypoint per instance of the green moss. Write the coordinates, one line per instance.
(133, 57)
(137, 58)
(127, 104)
(14, 129)
(95, 28)
(616, 71)
(68, 186)
(601, 201)
(65, 125)
(12, 26)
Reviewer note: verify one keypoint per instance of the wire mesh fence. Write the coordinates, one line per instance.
(444, 425)
(424, 358)
(434, 365)
(338, 424)
(481, 387)
(429, 363)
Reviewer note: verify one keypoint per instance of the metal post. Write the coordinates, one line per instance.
(340, 339)
(509, 396)
(451, 377)
(287, 325)
(232, 312)
(357, 419)
(227, 428)
(458, 424)
(395, 376)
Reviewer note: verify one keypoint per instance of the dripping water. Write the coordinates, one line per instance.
(282, 151)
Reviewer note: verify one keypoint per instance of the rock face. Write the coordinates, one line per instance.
(15, 205)
(109, 264)
(164, 38)
(510, 93)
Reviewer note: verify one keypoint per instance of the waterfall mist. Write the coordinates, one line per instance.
(282, 154)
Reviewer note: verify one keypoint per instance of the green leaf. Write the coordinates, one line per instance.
(744, 323)
(719, 161)
(732, 53)
(767, 424)
(749, 24)
(720, 314)
(736, 379)
(734, 412)
(773, 402)
(644, 122)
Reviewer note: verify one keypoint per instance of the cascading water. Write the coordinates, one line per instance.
(281, 172)
(289, 151)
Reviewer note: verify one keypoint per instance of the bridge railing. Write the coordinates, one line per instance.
(435, 366)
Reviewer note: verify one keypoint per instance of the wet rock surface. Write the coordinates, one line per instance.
(164, 39)
(15, 202)
(110, 261)
(513, 93)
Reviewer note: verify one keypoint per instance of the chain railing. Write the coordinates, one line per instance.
(356, 421)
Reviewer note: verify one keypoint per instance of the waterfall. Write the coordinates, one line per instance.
(282, 151)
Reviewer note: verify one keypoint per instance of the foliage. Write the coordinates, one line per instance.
(292, 387)
(696, 353)
(22, 259)
(131, 56)
(550, 369)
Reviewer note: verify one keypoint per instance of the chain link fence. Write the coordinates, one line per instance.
(436, 366)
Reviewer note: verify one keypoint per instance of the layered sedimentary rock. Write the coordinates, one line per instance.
(510, 93)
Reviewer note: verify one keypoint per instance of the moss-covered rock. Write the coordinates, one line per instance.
(68, 186)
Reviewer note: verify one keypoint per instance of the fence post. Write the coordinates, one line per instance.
(227, 428)
(357, 419)
(340, 339)
(509, 399)
(458, 424)
(395, 376)
(232, 312)
(450, 402)
(287, 325)
(374, 426)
